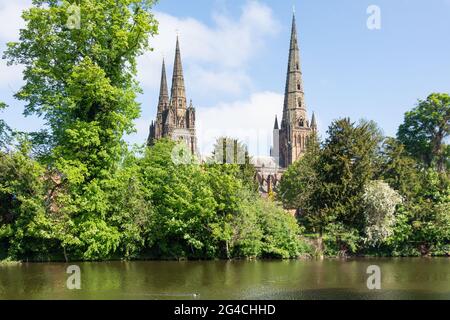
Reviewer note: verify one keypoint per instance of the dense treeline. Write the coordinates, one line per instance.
(362, 193)
(149, 207)
(76, 191)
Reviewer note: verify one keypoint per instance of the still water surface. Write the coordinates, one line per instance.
(417, 278)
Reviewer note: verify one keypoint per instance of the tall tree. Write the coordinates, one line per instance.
(398, 169)
(347, 164)
(183, 224)
(80, 67)
(4, 130)
(80, 70)
(425, 130)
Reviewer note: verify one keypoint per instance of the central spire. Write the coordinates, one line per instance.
(178, 89)
(294, 95)
(295, 127)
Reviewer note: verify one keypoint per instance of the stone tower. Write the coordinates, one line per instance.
(295, 127)
(174, 119)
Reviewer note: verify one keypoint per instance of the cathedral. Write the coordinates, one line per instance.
(174, 118)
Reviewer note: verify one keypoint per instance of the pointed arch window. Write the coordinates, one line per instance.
(301, 122)
(299, 87)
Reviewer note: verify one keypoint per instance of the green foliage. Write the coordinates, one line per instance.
(425, 130)
(82, 81)
(24, 224)
(42, 217)
(334, 190)
(262, 229)
(130, 208)
(423, 225)
(398, 169)
(340, 240)
(228, 151)
(183, 224)
(301, 175)
(379, 205)
(209, 211)
(327, 184)
(346, 165)
(5, 131)
(76, 191)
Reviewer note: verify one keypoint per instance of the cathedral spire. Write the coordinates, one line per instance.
(294, 95)
(313, 122)
(295, 127)
(276, 127)
(174, 119)
(164, 91)
(178, 89)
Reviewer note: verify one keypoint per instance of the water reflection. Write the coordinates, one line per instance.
(310, 279)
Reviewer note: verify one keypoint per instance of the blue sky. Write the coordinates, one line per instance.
(235, 59)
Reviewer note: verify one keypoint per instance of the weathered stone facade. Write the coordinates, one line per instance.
(174, 119)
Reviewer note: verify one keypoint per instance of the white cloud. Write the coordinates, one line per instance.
(251, 121)
(232, 82)
(215, 58)
(216, 54)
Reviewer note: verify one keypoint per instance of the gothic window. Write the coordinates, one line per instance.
(299, 87)
(297, 66)
(301, 122)
(299, 103)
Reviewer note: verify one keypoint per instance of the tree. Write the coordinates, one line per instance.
(379, 205)
(130, 208)
(425, 130)
(347, 164)
(398, 169)
(82, 80)
(5, 131)
(424, 227)
(262, 229)
(24, 224)
(298, 186)
(327, 184)
(184, 219)
(300, 181)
